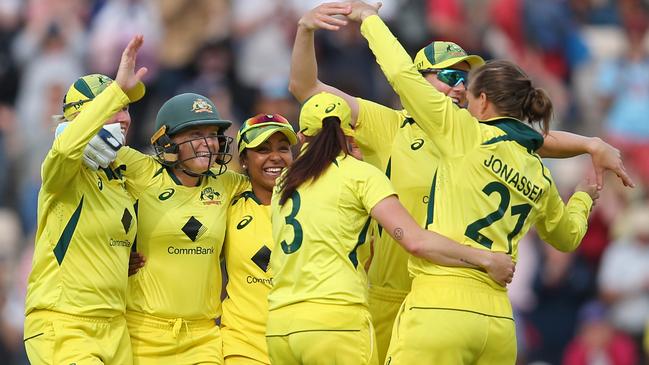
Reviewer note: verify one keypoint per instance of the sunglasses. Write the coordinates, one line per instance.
(264, 118)
(254, 127)
(450, 77)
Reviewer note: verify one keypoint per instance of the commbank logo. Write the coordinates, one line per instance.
(244, 222)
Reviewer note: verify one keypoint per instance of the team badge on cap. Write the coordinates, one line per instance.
(201, 106)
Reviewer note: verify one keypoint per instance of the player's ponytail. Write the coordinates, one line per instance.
(321, 151)
(511, 92)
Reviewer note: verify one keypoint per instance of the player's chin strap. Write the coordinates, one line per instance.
(167, 153)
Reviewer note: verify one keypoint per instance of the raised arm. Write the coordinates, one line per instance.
(453, 130)
(64, 159)
(304, 67)
(605, 157)
(436, 248)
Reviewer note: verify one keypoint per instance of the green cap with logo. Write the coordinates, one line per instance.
(321, 106)
(440, 54)
(185, 111)
(87, 87)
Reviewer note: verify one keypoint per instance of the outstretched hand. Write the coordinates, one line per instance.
(606, 157)
(322, 16)
(126, 77)
(361, 10)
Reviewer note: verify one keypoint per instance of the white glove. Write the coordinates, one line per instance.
(102, 148)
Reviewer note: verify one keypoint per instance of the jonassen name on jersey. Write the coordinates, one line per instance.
(190, 251)
(515, 179)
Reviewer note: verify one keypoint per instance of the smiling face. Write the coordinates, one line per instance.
(457, 92)
(197, 147)
(123, 118)
(265, 162)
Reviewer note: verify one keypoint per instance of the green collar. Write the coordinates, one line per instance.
(249, 194)
(516, 131)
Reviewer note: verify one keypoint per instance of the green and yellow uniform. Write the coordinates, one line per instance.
(76, 293)
(318, 303)
(247, 249)
(174, 299)
(393, 142)
(495, 188)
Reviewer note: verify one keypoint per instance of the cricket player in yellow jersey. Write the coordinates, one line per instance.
(495, 188)
(392, 141)
(76, 296)
(321, 211)
(183, 194)
(264, 144)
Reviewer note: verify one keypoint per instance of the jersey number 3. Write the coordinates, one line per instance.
(290, 248)
(521, 210)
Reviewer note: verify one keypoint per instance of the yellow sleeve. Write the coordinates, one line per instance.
(140, 169)
(564, 226)
(373, 186)
(64, 160)
(235, 183)
(375, 131)
(453, 130)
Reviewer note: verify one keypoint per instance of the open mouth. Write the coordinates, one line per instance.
(273, 171)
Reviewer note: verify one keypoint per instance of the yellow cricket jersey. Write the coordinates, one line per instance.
(396, 145)
(247, 248)
(491, 187)
(317, 233)
(86, 224)
(180, 232)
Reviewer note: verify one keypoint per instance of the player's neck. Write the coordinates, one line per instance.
(264, 195)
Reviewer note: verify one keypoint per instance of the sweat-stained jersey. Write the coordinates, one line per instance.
(394, 143)
(317, 233)
(494, 187)
(180, 232)
(247, 249)
(86, 224)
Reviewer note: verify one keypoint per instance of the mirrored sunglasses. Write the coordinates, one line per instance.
(450, 77)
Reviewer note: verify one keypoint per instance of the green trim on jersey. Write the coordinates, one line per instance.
(64, 241)
(408, 121)
(516, 131)
(431, 202)
(247, 195)
(362, 237)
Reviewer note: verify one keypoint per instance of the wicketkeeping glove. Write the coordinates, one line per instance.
(102, 148)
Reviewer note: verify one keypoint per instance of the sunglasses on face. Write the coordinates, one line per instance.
(450, 77)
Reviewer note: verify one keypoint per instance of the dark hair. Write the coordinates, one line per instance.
(511, 92)
(321, 152)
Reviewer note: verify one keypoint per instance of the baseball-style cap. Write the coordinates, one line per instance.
(258, 129)
(320, 106)
(86, 88)
(440, 54)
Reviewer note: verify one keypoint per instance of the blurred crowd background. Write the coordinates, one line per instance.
(586, 307)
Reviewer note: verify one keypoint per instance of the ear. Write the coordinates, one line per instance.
(301, 137)
(483, 103)
(243, 159)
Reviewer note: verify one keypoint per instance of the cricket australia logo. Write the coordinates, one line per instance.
(201, 106)
(210, 196)
(455, 50)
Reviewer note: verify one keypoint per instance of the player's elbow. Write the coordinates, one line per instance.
(414, 247)
(298, 90)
